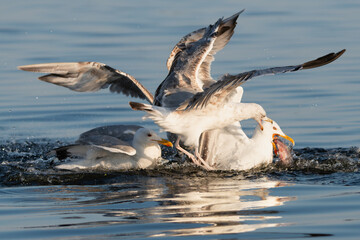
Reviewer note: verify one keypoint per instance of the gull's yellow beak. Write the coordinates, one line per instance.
(164, 142)
(275, 136)
(275, 148)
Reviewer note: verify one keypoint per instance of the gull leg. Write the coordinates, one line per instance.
(191, 156)
(197, 160)
(206, 165)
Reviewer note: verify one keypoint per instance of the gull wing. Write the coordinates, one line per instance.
(109, 144)
(113, 138)
(184, 75)
(221, 142)
(90, 77)
(123, 132)
(225, 32)
(220, 90)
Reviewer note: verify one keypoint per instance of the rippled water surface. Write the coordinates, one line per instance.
(317, 196)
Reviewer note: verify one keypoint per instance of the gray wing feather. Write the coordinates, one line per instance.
(123, 132)
(184, 72)
(226, 30)
(182, 76)
(90, 77)
(109, 143)
(113, 138)
(181, 45)
(219, 90)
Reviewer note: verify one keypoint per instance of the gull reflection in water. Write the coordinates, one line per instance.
(225, 207)
(172, 205)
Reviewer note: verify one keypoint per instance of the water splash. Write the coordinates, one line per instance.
(27, 163)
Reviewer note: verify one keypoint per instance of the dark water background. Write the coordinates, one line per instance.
(318, 196)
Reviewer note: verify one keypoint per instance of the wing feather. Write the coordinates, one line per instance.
(90, 77)
(226, 30)
(224, 34)
(221, 89)
(109, 143)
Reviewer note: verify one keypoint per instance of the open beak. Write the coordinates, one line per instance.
(275, 136)
(164, 142)
(276, 151)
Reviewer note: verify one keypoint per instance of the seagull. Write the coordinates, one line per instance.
(251, 152)
(214, 107)
(173, 91)
(177, 87)
(205, 110)
(115, 147)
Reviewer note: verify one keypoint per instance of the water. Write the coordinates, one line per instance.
(315, 197)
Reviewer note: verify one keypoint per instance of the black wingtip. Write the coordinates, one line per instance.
(234, 17)
(61, 152)
(28, 68)
(240, 12)
(138, 106)
(321, 61)
(47, 77)
(21, 68)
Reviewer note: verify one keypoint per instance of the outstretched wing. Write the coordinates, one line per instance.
(184, 74)
(220, 90)
(90, 77)
(225, 32)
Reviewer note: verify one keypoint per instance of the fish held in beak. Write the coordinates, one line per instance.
(282, 150)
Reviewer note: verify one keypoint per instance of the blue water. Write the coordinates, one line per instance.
(319, 109)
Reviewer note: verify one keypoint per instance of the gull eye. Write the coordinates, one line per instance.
(149, 135)
(274, 128)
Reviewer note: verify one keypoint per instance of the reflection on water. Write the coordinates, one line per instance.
(224, 207)
(180, 207)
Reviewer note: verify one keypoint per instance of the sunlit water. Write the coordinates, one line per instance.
(317, 196)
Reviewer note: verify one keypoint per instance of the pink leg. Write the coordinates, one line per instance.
(191, 156)
(206, 165)
(196, 160)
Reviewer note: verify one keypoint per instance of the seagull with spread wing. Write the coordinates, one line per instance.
(180, 89)
(212, 108)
